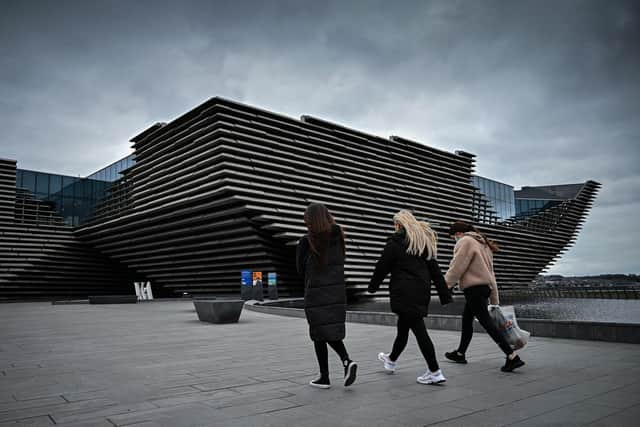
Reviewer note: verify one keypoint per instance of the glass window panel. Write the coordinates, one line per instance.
(42, 184)
(55, 184)
(80, 189)
(29, 181)
(68, 186)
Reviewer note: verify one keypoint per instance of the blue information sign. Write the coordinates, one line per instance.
(245, 278)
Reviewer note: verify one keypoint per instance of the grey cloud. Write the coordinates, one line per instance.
(541, 94)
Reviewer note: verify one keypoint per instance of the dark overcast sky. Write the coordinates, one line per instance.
(542, 92)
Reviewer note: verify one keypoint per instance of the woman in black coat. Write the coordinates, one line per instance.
(410, 257)
(320, 259)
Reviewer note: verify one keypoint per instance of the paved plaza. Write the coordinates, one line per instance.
(155, 364)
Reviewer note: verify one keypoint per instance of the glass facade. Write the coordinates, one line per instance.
(112, 172)
(500, 196)
(528, 207)
(73, 197)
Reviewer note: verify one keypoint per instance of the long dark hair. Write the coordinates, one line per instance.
(465, 227)
(320, 224)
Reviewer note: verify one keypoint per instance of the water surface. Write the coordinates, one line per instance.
(586, 309)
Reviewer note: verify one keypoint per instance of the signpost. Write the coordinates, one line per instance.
(246, 289)
(258, 293)
(271, 285)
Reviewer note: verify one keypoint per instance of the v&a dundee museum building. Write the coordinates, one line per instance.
(223, 188)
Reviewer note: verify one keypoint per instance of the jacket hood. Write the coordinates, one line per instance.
(476, 236)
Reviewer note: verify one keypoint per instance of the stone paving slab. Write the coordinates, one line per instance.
(155, 364)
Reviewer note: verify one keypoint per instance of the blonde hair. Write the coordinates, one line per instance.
(420, 235)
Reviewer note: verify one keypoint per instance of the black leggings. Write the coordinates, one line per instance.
(416, 324)
(323, 354)
(476, 306)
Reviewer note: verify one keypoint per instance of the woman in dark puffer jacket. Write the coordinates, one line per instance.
(320, 259)
(410, 257)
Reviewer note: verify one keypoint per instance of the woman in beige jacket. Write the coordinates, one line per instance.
(472, 269)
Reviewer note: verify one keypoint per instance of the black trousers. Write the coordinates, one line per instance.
(476, 306)
(323, 354)
(416, 325)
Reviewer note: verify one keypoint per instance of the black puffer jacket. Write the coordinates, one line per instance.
(411, 278)
(325, 302)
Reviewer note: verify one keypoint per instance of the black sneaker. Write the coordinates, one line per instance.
(512, 364)
(350, 368)
(321, 382)
(455, 357)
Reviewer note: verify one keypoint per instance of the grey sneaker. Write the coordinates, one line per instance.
(432, 377)
(389, 366)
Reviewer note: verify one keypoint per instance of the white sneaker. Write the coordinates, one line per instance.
(389, 366)
(432, 377)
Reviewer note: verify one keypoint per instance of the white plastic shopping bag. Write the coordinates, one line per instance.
(505, 320)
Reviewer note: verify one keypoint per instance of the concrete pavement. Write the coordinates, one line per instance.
(155, 364)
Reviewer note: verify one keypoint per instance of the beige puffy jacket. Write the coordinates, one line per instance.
(472, 265)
